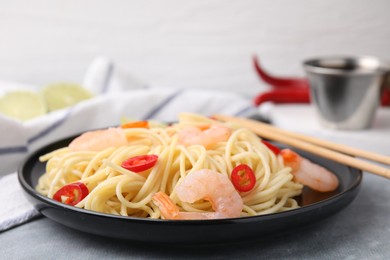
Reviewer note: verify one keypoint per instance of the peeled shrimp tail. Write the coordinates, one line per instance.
(308, 173)
(204, 184)
(320, 178)
(167, 207)
(169, 210)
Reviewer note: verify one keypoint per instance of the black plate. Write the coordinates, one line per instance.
(315, 206)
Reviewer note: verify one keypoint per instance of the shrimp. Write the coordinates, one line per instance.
(203, 184)
(206, 137)
(99, 140)
(308, 173)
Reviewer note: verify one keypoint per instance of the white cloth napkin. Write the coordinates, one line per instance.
(117, 95)
(15, 208)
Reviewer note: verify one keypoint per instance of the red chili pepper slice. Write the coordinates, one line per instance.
(137, 124)
(272, 147)
(71, 194)
(140, 163)
(276, 81)
(243, 178)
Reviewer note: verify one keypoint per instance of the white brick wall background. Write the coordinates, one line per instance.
(206, 44)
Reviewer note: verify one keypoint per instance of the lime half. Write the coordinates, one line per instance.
(22, 105)
(61, 95)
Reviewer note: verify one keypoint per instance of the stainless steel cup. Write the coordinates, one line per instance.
(346, 90)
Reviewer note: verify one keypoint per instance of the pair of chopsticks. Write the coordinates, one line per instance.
(337, 152)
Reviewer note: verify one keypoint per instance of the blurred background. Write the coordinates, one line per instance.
(185, 44)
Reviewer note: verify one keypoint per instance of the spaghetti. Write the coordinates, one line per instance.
(116, 190)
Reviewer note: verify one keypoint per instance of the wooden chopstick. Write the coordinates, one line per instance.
(333, 151)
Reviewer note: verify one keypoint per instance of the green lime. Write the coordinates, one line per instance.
(22, 105)
(61, 95)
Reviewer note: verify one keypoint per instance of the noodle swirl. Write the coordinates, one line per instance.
(116, 190)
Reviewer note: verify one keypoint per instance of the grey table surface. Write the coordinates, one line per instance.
(359, 231)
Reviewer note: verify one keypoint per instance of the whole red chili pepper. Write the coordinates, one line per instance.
(299, 95)
(293, 95)
(386, 97)
(278, 82)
